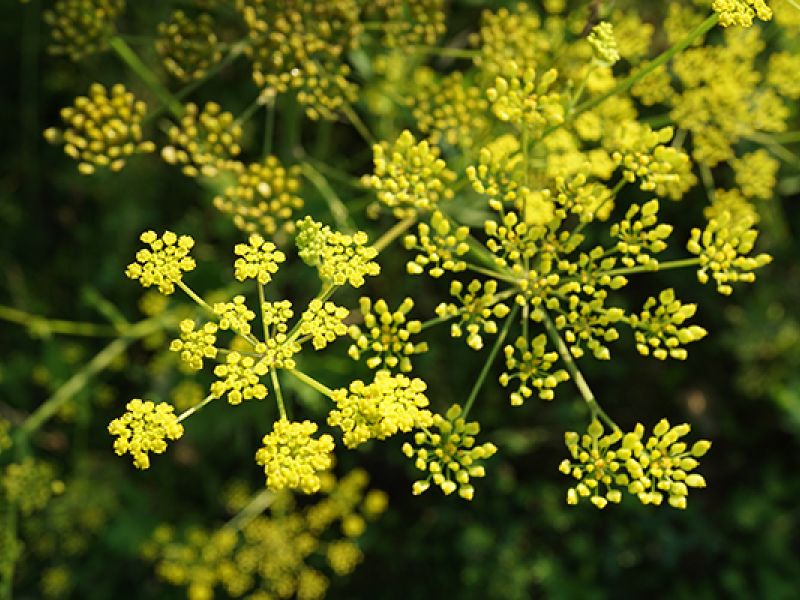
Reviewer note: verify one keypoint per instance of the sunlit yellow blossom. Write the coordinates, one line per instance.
(259, 259)
(388, 405)
(144, 428)
(292, 458)
(166, 261)
(447, 451)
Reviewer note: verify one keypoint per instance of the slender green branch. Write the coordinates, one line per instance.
(41, 325)
(671, 264)
(576, 374)
(490, 360)
(193, 409)
(492, 273)
(777, 149)
(259, 503)
(446, 52)
(248, 112)
(311, 382)
(101, 360)
(129, 57)
(276, 386)
(631, 80)
(395, 232)
(335, 205)
(356, 122)
(191, 293)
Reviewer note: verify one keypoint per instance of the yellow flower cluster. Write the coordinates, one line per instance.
(278, 350)
(387, 335)
(339, 258)
(505, 35)
(188, 47)
(323, 322)
(641, 153)
(299, 45)
(520, 98)
(195, 344)
(658, 328)
(450, 457)
(722, 100)
(204, 141)
(741, 12)
(293, 537)
(30, 484)
(408, 22)
(102, 129)
(448, 109)
(659, 467)
(532, 365)
(292, 458)
(604, 44)
(782, 74)
(239, 378)
(166, 261)
(234, 315)
(264, 196)
(479, 308)
(640, 235)
(378, 410)
(409, 176)
(756, 174)
(80, 28)
(259, 259)
(144, 428)
(439, 245)
(723, 248)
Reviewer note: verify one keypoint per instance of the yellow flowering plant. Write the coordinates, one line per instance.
(530, 170)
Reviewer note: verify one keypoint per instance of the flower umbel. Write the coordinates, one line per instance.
(292, 458)
(166, 261)
(450, 456)
(144, 428)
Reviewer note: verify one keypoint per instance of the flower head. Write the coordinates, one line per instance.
(166, 261)
(195, 344)
(259, 259)
(144, 428)
(604, 44)
(450, 456)
(409, 176)
(188, 47)
(387, 335)
(263, 197)
(102, 129)
(80, 28)
(239, 378)
(378, 410)
(339, 258)
(292, 458)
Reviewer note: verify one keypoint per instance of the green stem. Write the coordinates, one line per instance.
(190, 292)
(395, 232)
(276, 385)
(259, 503)
(671, 264)
(491, 273)
(631, 80)
(262, 301)
(490, 360)
(313, 383)
(129, 57)
(80, 379)
(190, 411)
(335, 205)
(576, 374)
(248, 112)
(356, 122)
(38, 324)
(446, 52)
(777, 149)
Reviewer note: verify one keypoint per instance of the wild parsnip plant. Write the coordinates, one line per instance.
(530, 165)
